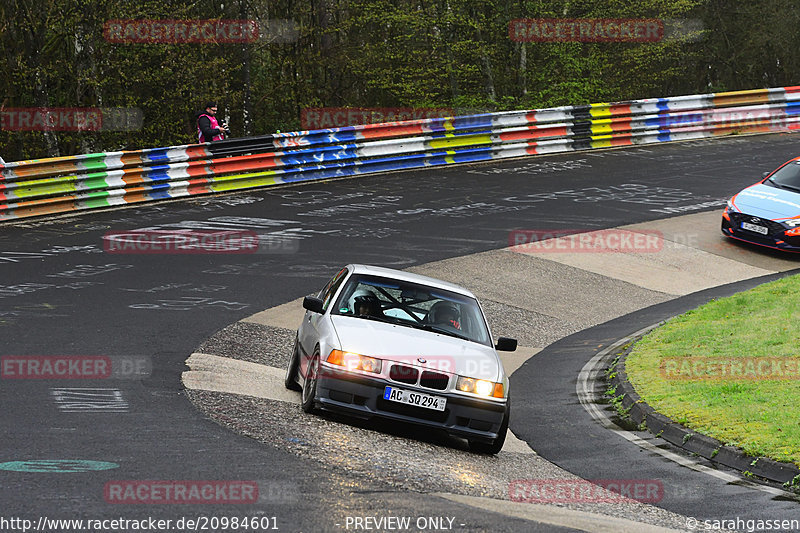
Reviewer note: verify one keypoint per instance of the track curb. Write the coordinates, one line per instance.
(690, 440)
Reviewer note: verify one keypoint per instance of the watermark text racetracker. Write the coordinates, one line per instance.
(585, 491)
(160, 241)
(601, 30)
(730, 368)
(75, 367)
(315, 118)
(85, 119)
(211, 492)
(586, 30)
(585, 241)
(197, 31)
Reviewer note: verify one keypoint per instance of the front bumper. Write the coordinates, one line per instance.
(775, 238)
(362, 396)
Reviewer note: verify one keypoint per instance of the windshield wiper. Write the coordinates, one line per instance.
(438, 329)
(783, 185)
(376, 318)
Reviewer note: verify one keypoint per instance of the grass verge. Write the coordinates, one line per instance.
(730, 369)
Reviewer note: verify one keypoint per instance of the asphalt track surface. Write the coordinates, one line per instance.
(61, 294)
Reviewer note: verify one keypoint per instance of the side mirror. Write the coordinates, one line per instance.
(504, 344)
(313, 304)
(765, 174)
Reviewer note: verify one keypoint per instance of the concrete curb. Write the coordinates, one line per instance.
(674, 433)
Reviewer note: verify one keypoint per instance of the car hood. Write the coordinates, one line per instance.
(768, 202)
(409, 345)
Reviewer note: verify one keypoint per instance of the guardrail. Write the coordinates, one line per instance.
(68, 184)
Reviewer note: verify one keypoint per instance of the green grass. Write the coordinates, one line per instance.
(756, 410)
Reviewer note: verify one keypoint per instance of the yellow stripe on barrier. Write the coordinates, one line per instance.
(755, 96)
(240, 181)
(42, 188)
(600, 110)
(460, 140)
(601, 128)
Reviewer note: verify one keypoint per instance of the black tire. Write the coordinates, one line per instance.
(310, 384)
(290, 381)
(496, 445)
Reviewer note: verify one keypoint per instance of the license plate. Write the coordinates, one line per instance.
(763, 230)
(417, 399)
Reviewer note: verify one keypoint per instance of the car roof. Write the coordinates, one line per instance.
(410, 277)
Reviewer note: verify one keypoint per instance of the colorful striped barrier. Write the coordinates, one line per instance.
(67, 184)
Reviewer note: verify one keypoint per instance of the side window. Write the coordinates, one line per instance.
(326, 294)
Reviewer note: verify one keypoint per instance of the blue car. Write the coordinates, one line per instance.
(768, 212)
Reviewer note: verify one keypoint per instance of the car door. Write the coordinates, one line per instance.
(310, 330)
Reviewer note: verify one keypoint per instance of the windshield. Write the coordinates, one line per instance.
(413, 305)
(787, 176)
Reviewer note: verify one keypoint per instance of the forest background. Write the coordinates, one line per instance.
(429, 54)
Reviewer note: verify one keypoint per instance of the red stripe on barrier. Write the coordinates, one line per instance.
(621, 124)
(623, 109)
(197, 151)
(199, 170)
(394, 131)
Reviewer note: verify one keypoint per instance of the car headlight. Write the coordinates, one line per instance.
(792, 223)
(480, 387)
(354, 361)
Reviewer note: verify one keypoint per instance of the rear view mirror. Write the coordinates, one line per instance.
(313, 304)
(504, 344)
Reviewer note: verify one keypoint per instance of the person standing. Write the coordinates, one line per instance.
(208, 128)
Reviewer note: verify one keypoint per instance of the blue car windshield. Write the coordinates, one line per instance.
(413, 305)
(787, 176)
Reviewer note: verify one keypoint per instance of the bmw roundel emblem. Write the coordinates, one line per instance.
(422, 360)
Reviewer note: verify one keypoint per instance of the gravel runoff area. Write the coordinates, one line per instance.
(380, 453)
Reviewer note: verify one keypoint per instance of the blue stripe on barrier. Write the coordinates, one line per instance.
(159, 175)
(318, 156)
(157, 154)
(160, 195)
(159, 186)
(474, 121)
(793, 108)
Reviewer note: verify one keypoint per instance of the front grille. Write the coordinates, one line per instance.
(404, 374)
(434, 380)
(775, 229)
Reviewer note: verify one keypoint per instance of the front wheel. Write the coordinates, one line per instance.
(290, 381)
(310, 384)
(496, 445)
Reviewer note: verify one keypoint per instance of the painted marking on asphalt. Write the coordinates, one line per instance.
(59, 466)
(588, 397)
(557, 516)
(86, 400)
